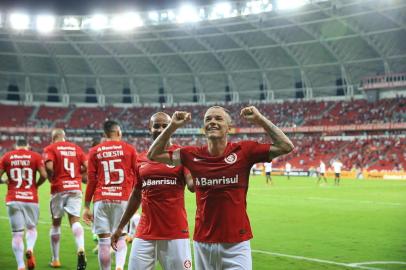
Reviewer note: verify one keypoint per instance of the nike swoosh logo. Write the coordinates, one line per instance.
(197, 159)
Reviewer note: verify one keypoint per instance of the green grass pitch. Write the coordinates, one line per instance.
(297, 224)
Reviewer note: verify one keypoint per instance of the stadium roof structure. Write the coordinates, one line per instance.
(315, 45)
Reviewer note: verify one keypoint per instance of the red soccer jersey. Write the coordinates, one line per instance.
(67, 158)
(221, 185)
(111, 171)
(163, 205)
(21, 167)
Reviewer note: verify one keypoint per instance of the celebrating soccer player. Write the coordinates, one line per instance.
(220, 173)
(65, 162)
(21, 166)
(111, 175)
(162, 233)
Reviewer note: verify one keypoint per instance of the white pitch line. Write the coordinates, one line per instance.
(314, 260)
(355, 201)
(379, 262)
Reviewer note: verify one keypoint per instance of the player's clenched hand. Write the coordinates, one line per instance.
(114, 238)
(87, 216)
(179, 118)
(251, 114)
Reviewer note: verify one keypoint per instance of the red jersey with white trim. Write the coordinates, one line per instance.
(67, 158)
(21, 167)
(221, 185)
(111, 171)
(163, 214)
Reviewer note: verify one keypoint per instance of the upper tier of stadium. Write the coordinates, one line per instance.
(322, 46)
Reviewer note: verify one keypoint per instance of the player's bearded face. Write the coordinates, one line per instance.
(216, 123)
(157, 126)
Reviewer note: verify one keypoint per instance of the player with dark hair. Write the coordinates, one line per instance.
(21, 166)
(111, 175)
(220, 171)
(162, 233)
(65, 162)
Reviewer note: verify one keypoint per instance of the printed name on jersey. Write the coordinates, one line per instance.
(20, 156)
(68, 153)
(231, 159)
(20, 162)
(110, 154)
(202, 181)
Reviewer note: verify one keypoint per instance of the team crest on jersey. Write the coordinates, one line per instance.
(231, 159)
(187, 264)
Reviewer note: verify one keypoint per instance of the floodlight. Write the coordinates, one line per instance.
(187, 13)
(221, 10)
(19, 21)
(45, 23)
(98, 22)
(291, 4)
(71, 23)
(255, 6)
(126, 21)
(153, 16)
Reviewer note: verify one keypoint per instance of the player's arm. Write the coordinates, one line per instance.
(2, 171)
(42, 175)
(90, 189)
(157, 151)
(83, 167)
(132, 207)
(281, 143)
(189, 180)
(49, 166)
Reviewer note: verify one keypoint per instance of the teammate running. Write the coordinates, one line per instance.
(21, 166)
(65, 162)
(111, 174)
(163, 232)
(220, 172)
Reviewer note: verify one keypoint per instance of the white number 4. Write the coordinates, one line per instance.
(69, 167)
(108, 167)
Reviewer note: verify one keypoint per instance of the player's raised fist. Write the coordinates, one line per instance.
(251, 114)
(179, 118)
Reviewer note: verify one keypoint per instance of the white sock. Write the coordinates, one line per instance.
(17, 244)
(104, 254)
(77, 230)
(31, 238)
(55, 234)
(121, 252)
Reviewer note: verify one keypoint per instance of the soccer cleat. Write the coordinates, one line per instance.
(55, 264)
(30, 260)
(82, 262)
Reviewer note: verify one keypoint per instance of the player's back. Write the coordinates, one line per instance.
(67, 159)
(21, 166)
(112, 164)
